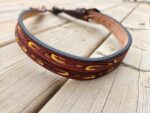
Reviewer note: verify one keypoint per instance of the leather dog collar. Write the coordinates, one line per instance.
(68, 65)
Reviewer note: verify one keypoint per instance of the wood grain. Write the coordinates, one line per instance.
(139, 19)
(144, 91)
(95, 96)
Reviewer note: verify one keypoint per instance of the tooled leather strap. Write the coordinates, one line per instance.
(66, 64)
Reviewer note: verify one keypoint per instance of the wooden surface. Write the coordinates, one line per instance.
(26, 87)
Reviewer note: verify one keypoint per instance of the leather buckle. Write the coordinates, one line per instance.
(80, 13)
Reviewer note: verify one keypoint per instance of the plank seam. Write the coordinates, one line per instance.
(138, 92)
(45, 101)
(125, 64)
(136, 29)
(109, 90)
(75, 100)
(96, 96)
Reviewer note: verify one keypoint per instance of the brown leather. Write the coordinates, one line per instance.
(68, 65)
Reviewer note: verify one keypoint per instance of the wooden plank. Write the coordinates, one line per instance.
(123, 96)
(91, 96)
(123, 9)
(14, 9)
(138, 56)
(17, 70)
(144, 92)
(9, 23)
(67, 3)
(34, 81)
(139, 19)
(5, 17)
(78, 97)
(48, 22)
(141, 40)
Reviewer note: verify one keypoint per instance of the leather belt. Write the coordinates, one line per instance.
(65, 64)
